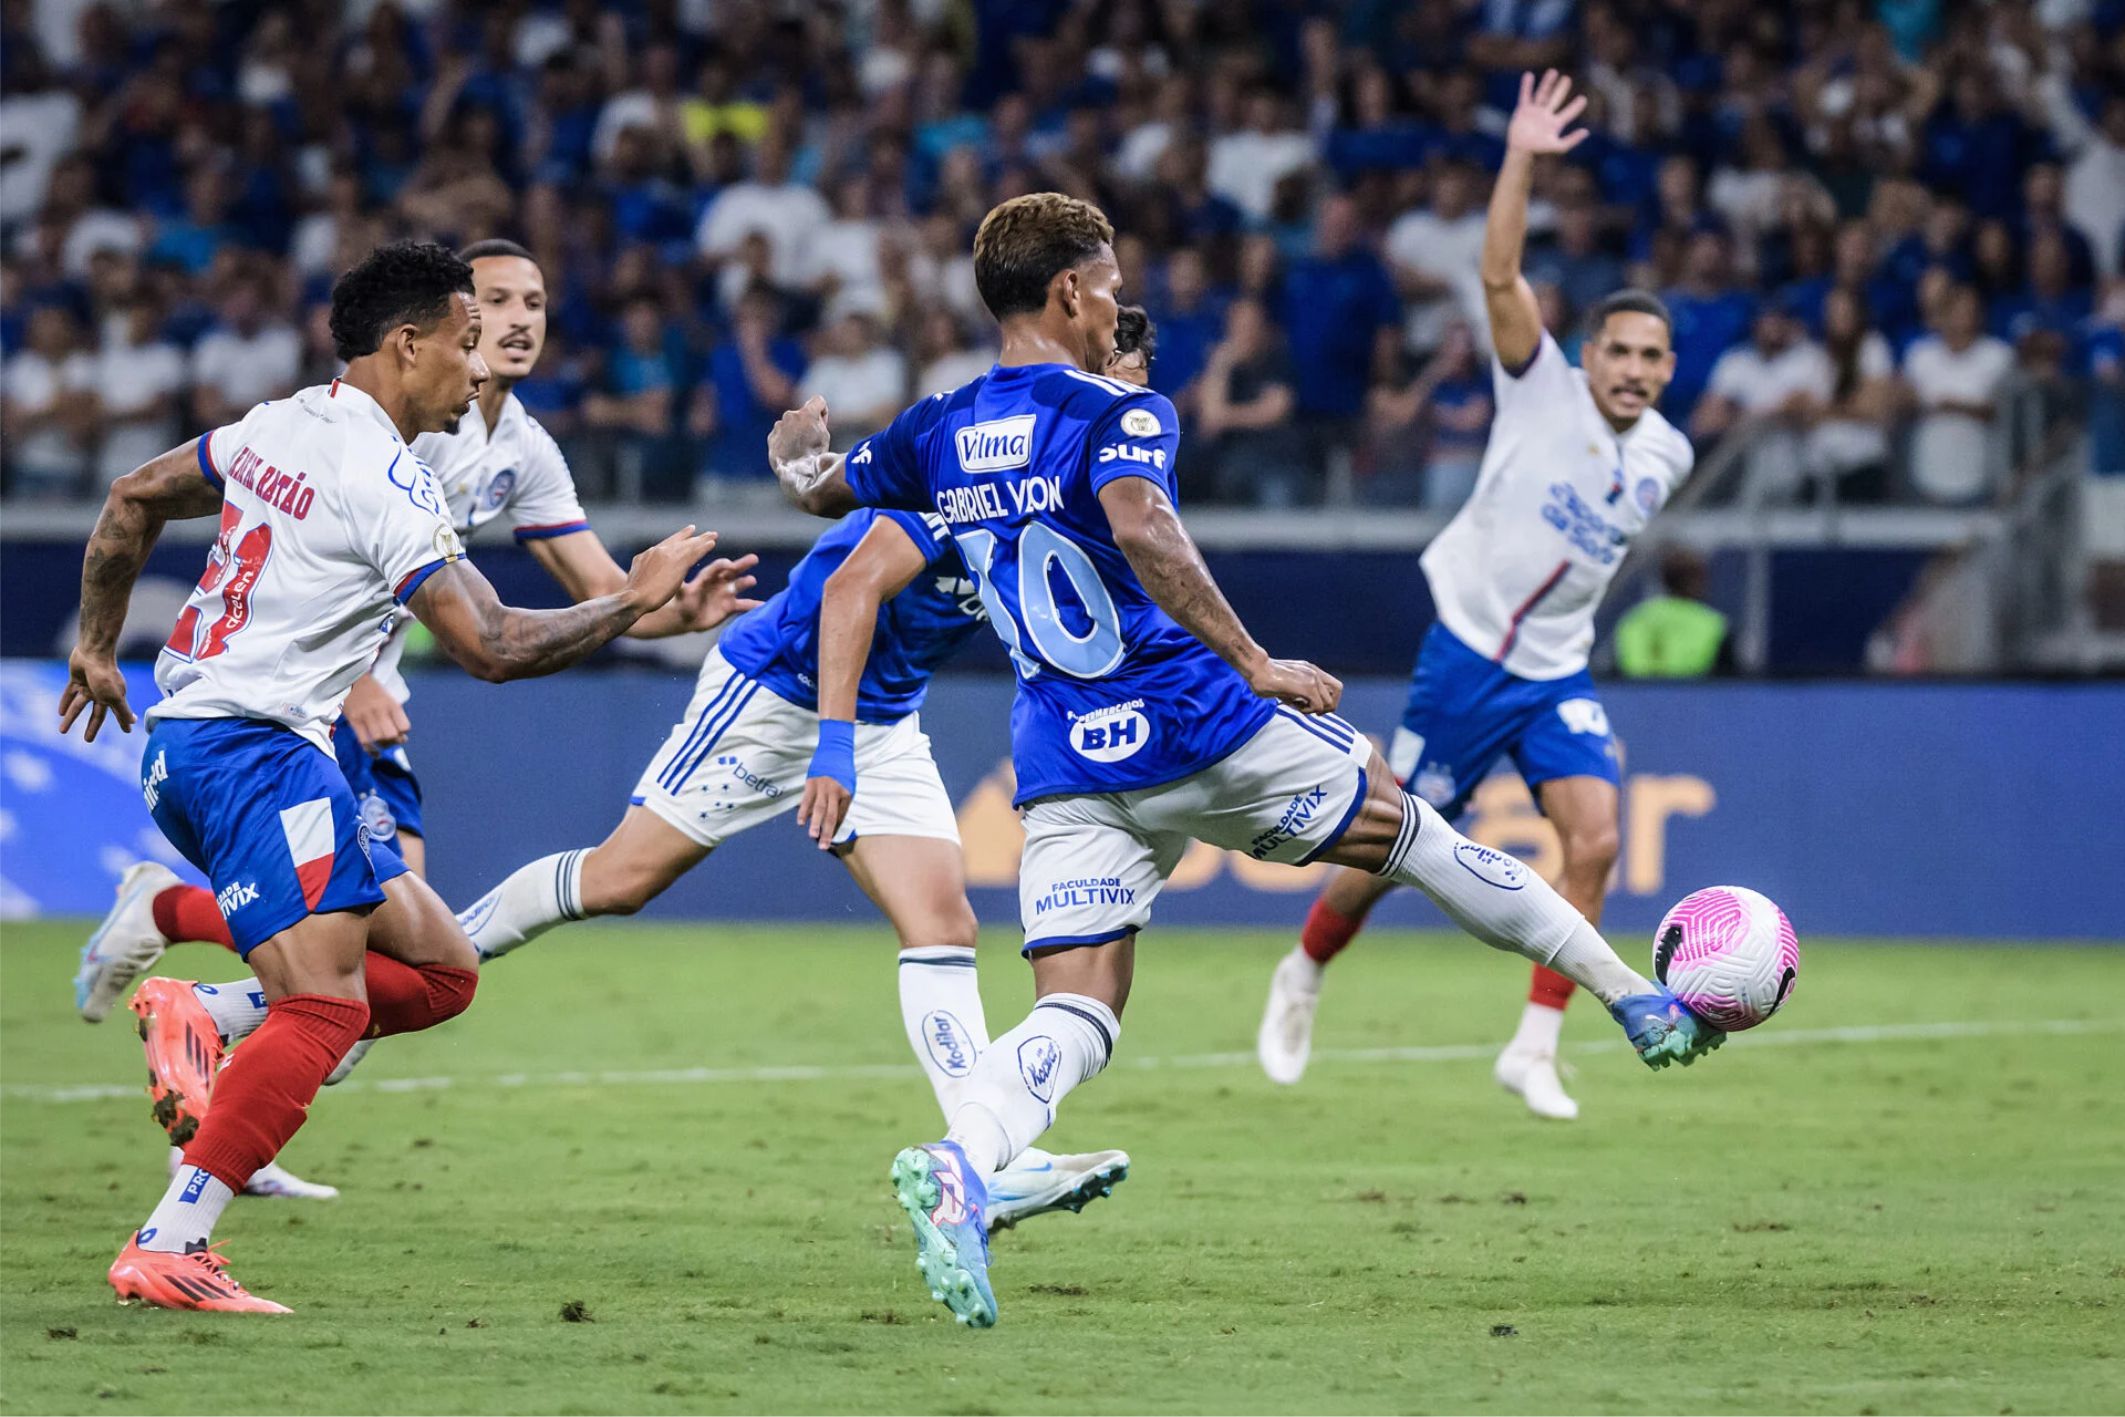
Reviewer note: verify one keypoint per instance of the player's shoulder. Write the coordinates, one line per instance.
(1670, 443)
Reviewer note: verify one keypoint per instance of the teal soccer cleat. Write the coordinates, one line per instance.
(948, 1202)
(1663, 1030)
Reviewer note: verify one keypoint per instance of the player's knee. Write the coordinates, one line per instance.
(949, 927)
(450, 989)
(1592, 850)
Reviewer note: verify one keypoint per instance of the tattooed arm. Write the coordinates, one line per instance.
(169, 488)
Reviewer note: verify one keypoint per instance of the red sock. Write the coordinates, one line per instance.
(263, 1095)
(1549, 989)
(189, 913)
(1326, 932)
(404, 998)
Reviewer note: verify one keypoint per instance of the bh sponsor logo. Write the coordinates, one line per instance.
(158, 774)
(1299, 813)
(997, 445)
(235, 897)
(1492, 867)
(1108, 735)
(1038, 1058)
(946, 1039)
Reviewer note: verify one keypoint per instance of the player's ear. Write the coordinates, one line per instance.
(1064, 288)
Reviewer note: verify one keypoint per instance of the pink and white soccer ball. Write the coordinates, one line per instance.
(1729, 954)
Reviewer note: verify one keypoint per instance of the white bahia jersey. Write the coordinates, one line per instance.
(329, 524)
(1519, 571)
(514, 471)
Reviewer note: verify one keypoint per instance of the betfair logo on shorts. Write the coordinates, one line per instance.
(1110, 734)
(739, 772)
(151, 786)
(235, 897)
(1299, 813)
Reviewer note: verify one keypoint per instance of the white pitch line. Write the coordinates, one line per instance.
(1439, 1053)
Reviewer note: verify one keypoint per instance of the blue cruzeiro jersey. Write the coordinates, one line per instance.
(918, 629)
(1112, 694)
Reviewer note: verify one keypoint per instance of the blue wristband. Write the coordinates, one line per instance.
(835, 757)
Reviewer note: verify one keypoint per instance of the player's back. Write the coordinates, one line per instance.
(917, 630)
(329, 523)
(1519, 571)
(1113, 694)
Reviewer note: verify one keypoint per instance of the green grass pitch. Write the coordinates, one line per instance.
(1906, 1193)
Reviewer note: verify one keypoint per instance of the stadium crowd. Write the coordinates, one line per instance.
(1869, 220)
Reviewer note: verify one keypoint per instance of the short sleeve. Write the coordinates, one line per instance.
(1140, 437)
(407, 535)
(544, 503)
(928, 531)
(885, 469)
(215, 448)
(1536, 379)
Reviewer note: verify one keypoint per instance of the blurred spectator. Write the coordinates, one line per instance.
(248, 356)
(1849, 446)
(1957, 376)
(1434, 251)
(948, 358)
(47, 409)
(2094, 195)
(633, 410)
(1778, 382)
(1187, 327)
(842, 255)
(1674, 635)
(769, 202)
(863, 380)
(1711, 315)
(1426, 435)
(1246, 164)
(39, 120)
(1243, 410)
(138, 384)
(752, 379)
(2106, 366)
(1338, 303)
(1575, 261)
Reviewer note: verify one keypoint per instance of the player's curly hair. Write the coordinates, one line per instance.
(1135, 334)
(1024, 243)
(403, 283)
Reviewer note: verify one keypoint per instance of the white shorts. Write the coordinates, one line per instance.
(1093, 864)
(740, 755)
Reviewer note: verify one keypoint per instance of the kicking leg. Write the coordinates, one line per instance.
(1285, 1039)
(620, 875)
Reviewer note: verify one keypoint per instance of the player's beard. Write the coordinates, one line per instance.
(455, 419)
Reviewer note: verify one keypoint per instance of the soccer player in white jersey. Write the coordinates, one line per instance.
(1578, 463)
(331, 529)
(1146, 715)
(494, 465)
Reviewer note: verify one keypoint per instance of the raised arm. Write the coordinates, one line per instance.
(586, 570)
(172, 487)
(1149, 532)
(497, 642)
(1538, 127)
(883, 564)
(811, 476)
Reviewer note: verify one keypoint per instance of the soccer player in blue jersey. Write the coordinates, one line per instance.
(1146, 715)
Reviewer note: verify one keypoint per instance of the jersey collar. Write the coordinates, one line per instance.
(344, 392)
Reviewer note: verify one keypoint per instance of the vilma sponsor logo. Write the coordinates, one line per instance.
(946, 1038)
(1299, 813)
(997, 445)
(158, 774)
(1110, 734)
(1037, 1060)
(235, 897)
(1492, 867)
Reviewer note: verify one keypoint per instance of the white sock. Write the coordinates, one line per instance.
(532, 901)
(940, 1006)
(188, 1212)
(1504, 904)
(1010, 1098)
(237, 1008)
(1541, 1027)
(1306, 971)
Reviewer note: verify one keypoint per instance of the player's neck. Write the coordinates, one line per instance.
(362, 374)
(1620, 426)
(1032, 342)
(493, 394)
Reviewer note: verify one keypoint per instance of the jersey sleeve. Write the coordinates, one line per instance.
(929, 533)
(544, 502)
(885, 469)
(217, 447)
(1538, 379)
(1139, 437)
(400, 522)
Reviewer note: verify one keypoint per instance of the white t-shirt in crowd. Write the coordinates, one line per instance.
(251, 368)
(1759, 383)
(948, 372)
(35, 384)
(1448, 251)
(788, 214)
(1951, 453)
(855, 384)
(1246, 166)
(130, 379)
(1841, 444)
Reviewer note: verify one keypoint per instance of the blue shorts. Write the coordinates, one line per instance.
(267, 817)
(384, 786)
(1465, 712)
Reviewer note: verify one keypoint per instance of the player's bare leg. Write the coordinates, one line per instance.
(919, 884)
(1285, 1039)
(1583, 810)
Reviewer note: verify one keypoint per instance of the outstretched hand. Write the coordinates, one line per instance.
(1546, 109)
(656, 575)
(718, 593)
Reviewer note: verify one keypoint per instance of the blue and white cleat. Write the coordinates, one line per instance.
(125, 944)
(947, 1201)
(1663, 1030)
(1039, 1182)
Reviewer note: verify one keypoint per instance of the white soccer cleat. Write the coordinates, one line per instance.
(1038, 1182)
(125, 944)
(1286, 1037)
(1533, 1075)
(359, 1051)
(273, 1181)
